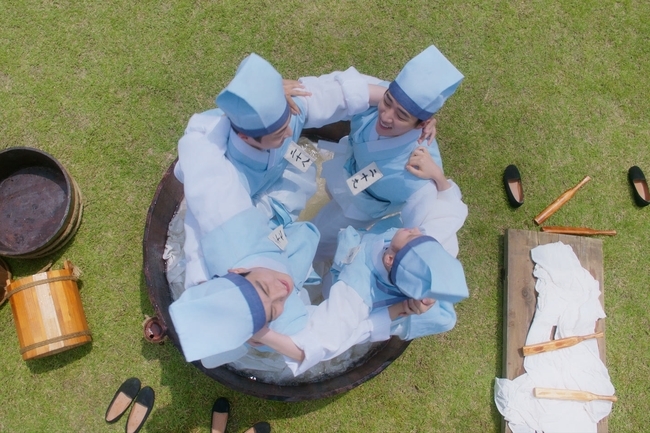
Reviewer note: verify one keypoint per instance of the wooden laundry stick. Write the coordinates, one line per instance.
(585, 231)
(559, 202)
(568, 394)
(560, 343)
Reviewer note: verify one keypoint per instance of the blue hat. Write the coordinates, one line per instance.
(217, 316)
(423, 269)
(425, 83)
(254, 100)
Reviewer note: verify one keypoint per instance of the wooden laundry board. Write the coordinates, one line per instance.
(520, 296)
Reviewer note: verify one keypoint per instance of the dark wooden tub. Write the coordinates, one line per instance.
(166, 200)
(40, 204)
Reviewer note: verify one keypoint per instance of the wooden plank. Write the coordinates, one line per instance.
(520, 296)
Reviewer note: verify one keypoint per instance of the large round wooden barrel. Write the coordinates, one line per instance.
(166, 201)
(40, 204)
(48, 313)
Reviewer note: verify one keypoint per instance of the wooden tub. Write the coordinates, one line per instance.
(167, 198)
(40, 204)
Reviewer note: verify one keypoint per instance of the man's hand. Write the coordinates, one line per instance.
(256, 339)
(409, 307)
(428, 131)
(294, 88)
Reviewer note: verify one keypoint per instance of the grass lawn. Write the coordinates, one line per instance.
(559, 88)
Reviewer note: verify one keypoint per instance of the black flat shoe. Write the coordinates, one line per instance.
(140, 410)
(122, 399)
(220, 413)
(512, 184)
(260, 427)
(639, 186)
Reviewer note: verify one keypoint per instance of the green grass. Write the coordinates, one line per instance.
(558, 88)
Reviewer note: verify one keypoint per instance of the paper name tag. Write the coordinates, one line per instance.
(299, 157)
(279, 238)
(363, 178)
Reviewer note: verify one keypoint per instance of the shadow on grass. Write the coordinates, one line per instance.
(193, 392)
(51, 363)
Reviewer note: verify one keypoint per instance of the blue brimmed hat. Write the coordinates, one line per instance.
(423, 269)
(254, 100)
(217, 316)
(425, 83)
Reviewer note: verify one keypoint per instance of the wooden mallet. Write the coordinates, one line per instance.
(559, 202)
(582, 231)
(569, 394)
(558, 344)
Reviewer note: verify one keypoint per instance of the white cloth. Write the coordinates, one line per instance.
(344, 319)
(568, 299)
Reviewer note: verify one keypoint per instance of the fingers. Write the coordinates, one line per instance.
(414, 306)
(293, 107)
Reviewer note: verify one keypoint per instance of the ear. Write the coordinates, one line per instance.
(387, 260)
(239, 270)
(423, 123)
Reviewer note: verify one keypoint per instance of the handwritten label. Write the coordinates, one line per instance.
(364, 178)
(299, 157)
(279, 238)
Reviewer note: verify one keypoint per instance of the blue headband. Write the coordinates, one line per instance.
(252, 299)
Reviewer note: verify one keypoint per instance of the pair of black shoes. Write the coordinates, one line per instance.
(515, 191)
(220, 414)
(142, 399)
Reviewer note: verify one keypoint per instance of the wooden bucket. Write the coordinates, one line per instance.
(48, 313)
(40, 204)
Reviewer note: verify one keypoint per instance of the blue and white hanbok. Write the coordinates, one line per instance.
(421, 88)
(356, 309)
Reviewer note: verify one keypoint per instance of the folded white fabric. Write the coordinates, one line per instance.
(567, 298)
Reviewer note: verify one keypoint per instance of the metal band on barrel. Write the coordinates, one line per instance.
(41, 282)
(54, 340)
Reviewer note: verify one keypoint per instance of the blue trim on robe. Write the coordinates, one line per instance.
(252, 299)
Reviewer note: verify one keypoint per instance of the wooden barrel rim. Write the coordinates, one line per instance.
(4, 270)
(64, 222)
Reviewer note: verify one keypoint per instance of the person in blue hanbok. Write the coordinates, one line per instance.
(386, 135)
(253, 129)
(399, 281)
(254, 281)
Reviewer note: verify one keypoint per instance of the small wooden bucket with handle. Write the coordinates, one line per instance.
(48, 314)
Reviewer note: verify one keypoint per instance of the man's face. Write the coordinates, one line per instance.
(274, 140)
(403, 237)
(400, 239)
(393, 119)
(273, 287)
